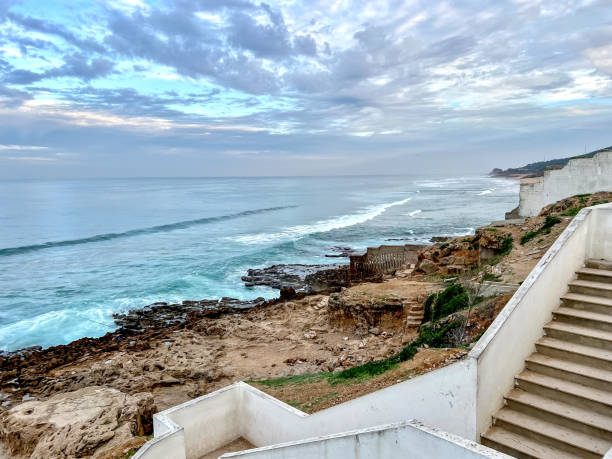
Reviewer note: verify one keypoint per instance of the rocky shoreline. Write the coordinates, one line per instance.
(325, 319)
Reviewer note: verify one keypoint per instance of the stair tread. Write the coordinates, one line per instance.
(568, 346)
(579, 330)
(572, 367)
(524, 445)
(548, 429)
(545, 404)
(595, 272)
(593, 299)
(607, 264)
(591, 284)
(561, 385)
(582, 314)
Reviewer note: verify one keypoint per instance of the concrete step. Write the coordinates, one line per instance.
(588, 302)
(516, 445)
(578, 334)
(588, 287)
(598, 263)
(597, 275)
(574, 417)
(570, 371)
(584, 318)
(585, 355)
(554, 435)
(567, 392)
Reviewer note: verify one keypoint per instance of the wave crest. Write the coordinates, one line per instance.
(323, 226)
(135, 232)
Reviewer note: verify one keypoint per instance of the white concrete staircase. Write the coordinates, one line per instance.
(561, 406)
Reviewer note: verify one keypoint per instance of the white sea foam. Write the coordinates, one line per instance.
(322, 226)
(414, 212)
(58, 326)
(489, 191)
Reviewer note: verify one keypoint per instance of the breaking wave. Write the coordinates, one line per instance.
(295, 232)
(135, 232)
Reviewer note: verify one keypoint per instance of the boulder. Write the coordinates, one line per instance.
(86, 422)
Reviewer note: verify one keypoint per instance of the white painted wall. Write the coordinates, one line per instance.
(444, 398)
(409, 439)
(209, 422)
(601, 233)
(500, 353)
(579, 176)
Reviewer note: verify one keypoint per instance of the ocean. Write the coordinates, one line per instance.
(73, 252)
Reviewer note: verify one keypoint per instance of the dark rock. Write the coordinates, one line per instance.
(301, 278)
(287, 293)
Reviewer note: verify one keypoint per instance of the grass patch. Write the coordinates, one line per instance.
(492, 230)
(297, 380)
(491, 277)
(571, 212)
(441, 304)
(544, 229)
(434, 336)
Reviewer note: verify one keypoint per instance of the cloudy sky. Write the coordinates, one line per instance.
(235, 87)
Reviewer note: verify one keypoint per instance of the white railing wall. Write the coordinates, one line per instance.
(403, 439)
(501, 352)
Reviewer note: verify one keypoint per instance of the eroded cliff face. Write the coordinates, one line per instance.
(460, 254)
(394, 307)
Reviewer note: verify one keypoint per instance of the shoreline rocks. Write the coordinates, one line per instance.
(76, 424)
(301, 278)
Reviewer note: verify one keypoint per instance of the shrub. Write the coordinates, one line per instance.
(505, 249)
(437, 305)
(544, 229)
(571, 212)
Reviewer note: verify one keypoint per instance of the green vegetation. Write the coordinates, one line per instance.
(434, 335)
(571, 212)
(491, 230)
(544, 229)
(491, 277)
(506, 248)
(293, 380)
(437, 306)
(441, 304)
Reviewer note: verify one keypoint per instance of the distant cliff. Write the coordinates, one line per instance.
(537, 169)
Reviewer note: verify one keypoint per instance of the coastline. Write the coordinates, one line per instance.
(175, 352)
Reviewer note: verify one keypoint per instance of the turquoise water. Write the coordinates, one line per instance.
(73, 252)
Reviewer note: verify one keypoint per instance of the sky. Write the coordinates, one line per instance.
(134, 88)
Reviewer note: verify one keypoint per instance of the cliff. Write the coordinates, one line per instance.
(537, 169)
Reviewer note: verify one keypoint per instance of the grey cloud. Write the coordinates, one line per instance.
(75, 65)
(305, 44)
(264, 40)
(13, 98)
(54, 29)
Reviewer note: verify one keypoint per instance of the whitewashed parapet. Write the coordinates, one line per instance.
(402, 439)
(501, 352)
(578, 176)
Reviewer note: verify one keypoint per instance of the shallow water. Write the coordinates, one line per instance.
(73, 252)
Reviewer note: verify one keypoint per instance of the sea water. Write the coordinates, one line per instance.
(73, 252)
